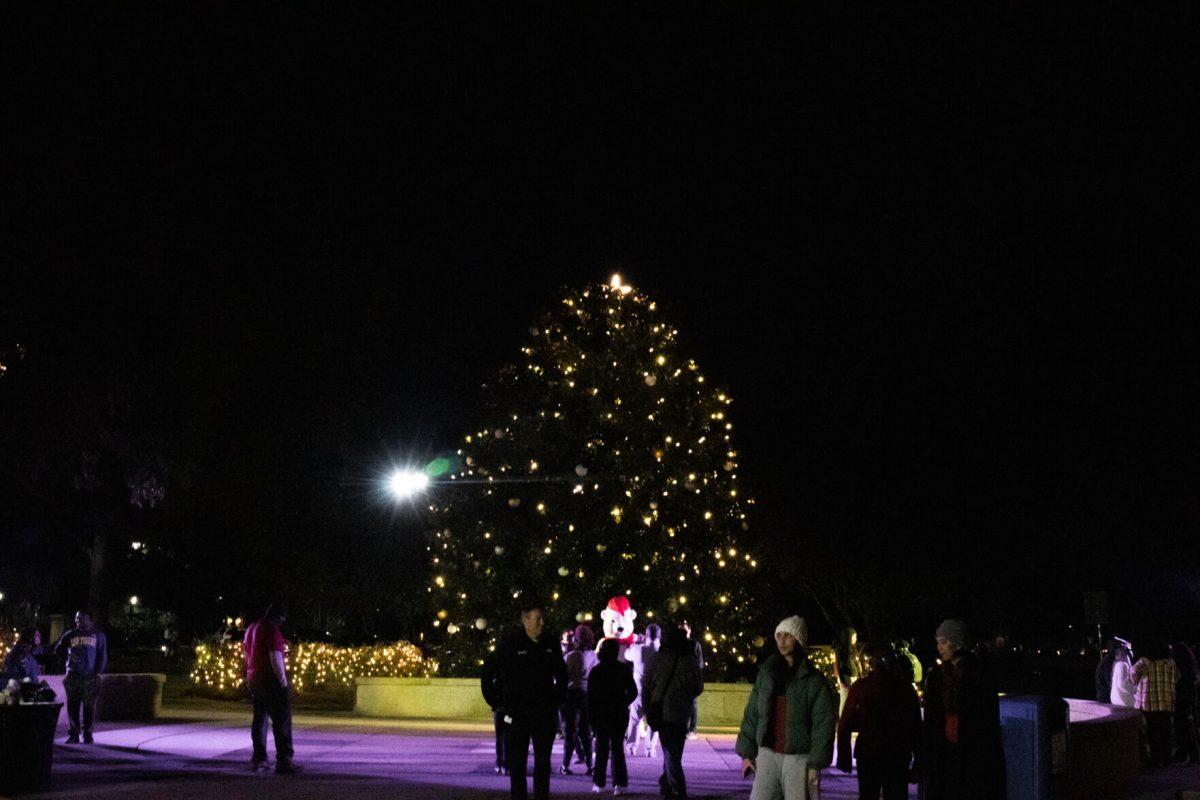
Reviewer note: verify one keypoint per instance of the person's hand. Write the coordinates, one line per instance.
(814, 777)
(747, 768)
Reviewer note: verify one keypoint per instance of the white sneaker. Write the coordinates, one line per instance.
(691, 735)
(619, 790)
(596, 789)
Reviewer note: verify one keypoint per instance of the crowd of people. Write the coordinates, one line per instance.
(891, 719)
(605, 702)
(84, 651)
(1160, 682)
(608, 701)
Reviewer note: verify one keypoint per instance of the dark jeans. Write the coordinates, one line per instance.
(577, 736)
(516, 749)
(274, 702)
(672, 737)
(691, 725)
(81, 692)
(501, 730)
(610, 741)
(1185, 734)
(889, 776)
(1158, 732)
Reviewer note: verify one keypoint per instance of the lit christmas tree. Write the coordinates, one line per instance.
(605, 466)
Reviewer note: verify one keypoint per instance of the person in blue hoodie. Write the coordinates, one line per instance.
(22, 660)
(85, 649)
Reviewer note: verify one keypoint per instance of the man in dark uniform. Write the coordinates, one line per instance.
(533, 685)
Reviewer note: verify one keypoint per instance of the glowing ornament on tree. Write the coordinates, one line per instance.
(481, 624)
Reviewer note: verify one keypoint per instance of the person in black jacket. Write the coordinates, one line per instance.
(610, 691)
(962, 755)
(489, 682)
(533, 684)
(674, 682)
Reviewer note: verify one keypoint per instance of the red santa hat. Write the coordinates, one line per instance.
(619, 604)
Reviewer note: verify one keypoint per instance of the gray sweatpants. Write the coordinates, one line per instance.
(777, 775)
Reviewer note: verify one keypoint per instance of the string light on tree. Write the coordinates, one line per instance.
(607, 422)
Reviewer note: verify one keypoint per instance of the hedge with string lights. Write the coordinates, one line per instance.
(311, 666)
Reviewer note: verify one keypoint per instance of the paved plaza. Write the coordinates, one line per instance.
(200, 752)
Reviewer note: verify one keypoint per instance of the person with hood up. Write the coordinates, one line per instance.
(669, 686)
(884, 709)
(611, 689)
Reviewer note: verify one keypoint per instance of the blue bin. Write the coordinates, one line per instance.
(1034, 731)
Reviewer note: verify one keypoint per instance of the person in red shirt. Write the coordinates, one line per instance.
(266, 675)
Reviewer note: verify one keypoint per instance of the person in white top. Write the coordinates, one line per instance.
(642, 654)
(1122, 685)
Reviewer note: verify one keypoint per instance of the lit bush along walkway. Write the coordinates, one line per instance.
(416, 754)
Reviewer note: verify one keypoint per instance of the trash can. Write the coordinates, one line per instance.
(27, 745)
(1034, 732)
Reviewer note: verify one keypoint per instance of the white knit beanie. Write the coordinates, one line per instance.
(797, 627)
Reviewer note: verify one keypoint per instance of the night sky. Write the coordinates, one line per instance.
(944, 268)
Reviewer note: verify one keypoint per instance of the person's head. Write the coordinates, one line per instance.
(532, 619)
(1157, 650)
(675, 640)
(791, 636)
(951, 637)
(610, 649)
(83, 619)
(903, 646)
(848, 638)
(653, 634)
(584, 638)
(877, 657)
(30, 637)
(276, 612)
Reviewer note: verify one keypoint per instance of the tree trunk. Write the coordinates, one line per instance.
(97, 575)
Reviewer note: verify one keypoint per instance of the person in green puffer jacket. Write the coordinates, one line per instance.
(786, 736)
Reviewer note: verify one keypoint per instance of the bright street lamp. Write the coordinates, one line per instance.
(403, 483)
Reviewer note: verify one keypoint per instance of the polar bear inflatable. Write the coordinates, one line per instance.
(618, 619)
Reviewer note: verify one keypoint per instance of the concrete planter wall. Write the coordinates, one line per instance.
(420, 698)
(721, 704)
(1104, 744)
(123, 696)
